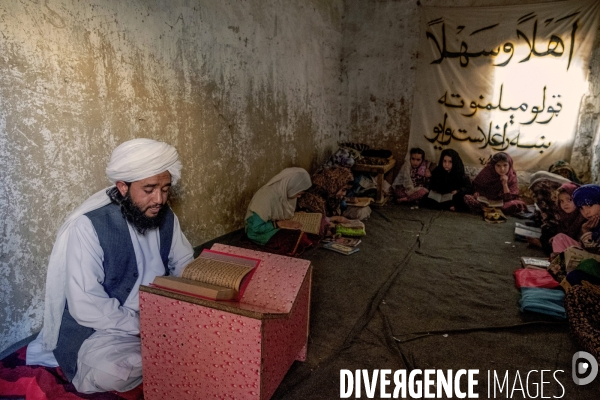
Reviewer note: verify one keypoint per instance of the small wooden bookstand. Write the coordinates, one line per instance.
(380, 170)
(199, 349)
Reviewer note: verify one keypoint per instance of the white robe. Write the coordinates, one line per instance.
(93, 306)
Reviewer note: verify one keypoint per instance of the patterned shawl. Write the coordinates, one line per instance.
(563, 168)
(322, 196)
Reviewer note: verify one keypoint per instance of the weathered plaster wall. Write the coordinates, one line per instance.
(241, 88)
(586, 151)
(379, 57)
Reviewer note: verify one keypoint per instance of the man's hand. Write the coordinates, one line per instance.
(286, 224)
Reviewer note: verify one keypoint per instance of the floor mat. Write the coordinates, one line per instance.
(18, 380)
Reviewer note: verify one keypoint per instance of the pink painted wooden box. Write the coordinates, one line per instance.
(200, 349)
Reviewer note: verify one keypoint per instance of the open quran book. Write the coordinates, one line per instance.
(440, 198)
(213, 275)
(311, 222)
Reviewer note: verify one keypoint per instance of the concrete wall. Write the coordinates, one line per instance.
(379, 58)
(241, 88)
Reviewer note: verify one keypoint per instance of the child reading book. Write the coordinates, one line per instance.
(448, 179)
(497, 181)
(326, 195)
(411, 183)
(272, 208)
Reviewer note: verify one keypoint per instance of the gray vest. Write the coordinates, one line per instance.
(120, 270)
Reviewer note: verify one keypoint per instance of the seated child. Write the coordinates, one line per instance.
(327, 194)
(564, 169)
(497, 181)
(569, 221)
(449, 177)
(412, 181)
(587, 199)
(271, 209)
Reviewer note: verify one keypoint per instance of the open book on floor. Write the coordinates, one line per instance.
(346, 241)
(522, 232)
(311, 222)
(213, 275)
(440, 198)
(535, 262)
(490, 203)
(340, 248)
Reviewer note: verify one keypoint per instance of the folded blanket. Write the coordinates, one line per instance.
(540, 278)
(543, 301)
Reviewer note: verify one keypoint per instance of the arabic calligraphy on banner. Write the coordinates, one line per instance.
(508, 78)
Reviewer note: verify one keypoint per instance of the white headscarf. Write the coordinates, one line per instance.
(272, 202)
(131, 161)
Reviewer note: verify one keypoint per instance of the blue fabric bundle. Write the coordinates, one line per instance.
(545, 301)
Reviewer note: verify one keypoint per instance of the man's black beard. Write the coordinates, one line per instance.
(133, 214)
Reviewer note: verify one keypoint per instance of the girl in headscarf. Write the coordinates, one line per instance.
(449, 177)
(564, 169)
(569, 222)
(327, 192)
(411, 183)
(271, 209)
(587, 199)
(497, 181)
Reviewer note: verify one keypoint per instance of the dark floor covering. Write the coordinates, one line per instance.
(428, 290)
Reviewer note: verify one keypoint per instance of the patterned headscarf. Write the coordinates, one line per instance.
(563, 168)
(322, 196)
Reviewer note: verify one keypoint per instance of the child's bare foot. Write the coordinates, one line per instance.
(452, 208)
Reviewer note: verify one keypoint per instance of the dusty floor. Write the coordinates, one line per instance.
(429, 290)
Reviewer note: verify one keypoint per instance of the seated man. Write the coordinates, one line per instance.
(118, 239)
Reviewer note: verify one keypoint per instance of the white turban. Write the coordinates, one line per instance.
(142, 158)
(131, 161)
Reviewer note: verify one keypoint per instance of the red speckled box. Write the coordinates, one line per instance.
(200, 349)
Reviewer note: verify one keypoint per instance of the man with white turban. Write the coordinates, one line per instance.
(119, 238)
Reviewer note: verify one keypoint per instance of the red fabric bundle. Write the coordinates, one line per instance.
(539, 278)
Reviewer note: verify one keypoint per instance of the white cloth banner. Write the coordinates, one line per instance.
(507, 78)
